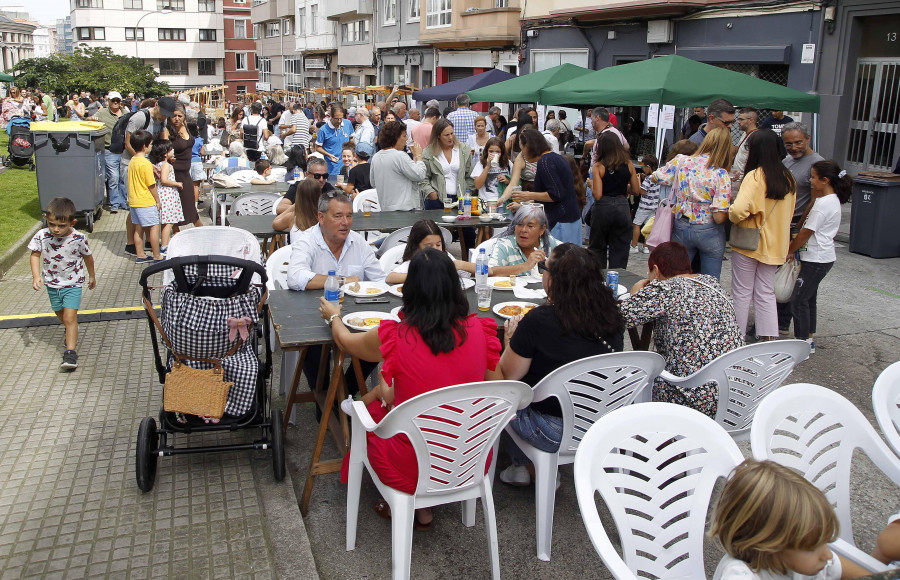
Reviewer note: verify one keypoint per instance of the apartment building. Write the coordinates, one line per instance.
(16, 42)
(399, 57)
(64, 41)
(182, 39)
(44, 41)
(317, 45)
(239, 65)
(356, 47)
(273, 30)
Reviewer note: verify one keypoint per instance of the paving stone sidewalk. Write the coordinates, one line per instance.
(69, 504)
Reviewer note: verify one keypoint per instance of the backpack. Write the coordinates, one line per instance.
(117, 140)
(251, 136)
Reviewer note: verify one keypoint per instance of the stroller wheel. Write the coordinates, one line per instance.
(145, 463)
(277, 445)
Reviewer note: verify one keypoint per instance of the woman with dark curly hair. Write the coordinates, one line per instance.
(580, 319)
(393, 174)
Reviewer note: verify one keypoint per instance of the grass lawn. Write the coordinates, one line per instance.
(19, 205)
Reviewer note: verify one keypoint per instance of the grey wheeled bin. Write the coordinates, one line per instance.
(70, 163)
(874, 216)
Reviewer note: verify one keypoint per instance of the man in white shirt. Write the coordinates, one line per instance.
(365, 131)
(600, 121)
(262, 131)
(332, 245)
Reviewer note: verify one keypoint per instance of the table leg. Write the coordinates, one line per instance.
(317, 467)
(213, 203)
(293, 397)
(462, 243)
(360, 380)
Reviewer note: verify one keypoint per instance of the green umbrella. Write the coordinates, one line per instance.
(4, 78)
(525, 89)
(675, 80)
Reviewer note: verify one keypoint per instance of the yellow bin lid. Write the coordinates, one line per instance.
(67, 126)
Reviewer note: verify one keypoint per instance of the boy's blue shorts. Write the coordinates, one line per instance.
(60, 298)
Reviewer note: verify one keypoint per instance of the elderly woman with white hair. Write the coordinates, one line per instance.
(236, 157)
(525, 244)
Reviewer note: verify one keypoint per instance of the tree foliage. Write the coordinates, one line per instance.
(90, 69)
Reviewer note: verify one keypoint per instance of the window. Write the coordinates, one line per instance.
(271, 29)
(134, 34)
(207, 35)
(501, 3)
(171, 34)
(240, 29)
(241, 89)
(438, 13)
(286, 27)
(264, 66)
(88, 33)
(240, 61)
(177, 5)
(314, 19)
(390, 11)
(89, 3)
(355, 32)
(207, 6)
(301, 21)
(206, 66)
(257, 31)
(134, 4)
(293, 75)
(173, 66)
(414, 10)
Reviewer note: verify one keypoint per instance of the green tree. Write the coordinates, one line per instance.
(90, 69)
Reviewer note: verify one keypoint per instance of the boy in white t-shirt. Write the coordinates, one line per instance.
(60, 255)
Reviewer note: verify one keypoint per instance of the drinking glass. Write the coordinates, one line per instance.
(484, 297)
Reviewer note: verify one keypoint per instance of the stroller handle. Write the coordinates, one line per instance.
(177, 265)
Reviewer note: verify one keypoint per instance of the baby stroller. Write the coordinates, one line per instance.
(21, 143)
(212, 316)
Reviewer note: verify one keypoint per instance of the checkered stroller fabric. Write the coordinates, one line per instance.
(197, 327)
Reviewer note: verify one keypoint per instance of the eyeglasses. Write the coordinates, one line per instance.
(726, 123)
(319, 175)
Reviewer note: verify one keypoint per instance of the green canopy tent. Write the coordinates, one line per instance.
(526, 89)
(5, 78)
(674, 80)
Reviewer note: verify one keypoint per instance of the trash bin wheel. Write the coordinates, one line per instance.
(89, 218)
(98, 213)
(146, 455)
(277, 445)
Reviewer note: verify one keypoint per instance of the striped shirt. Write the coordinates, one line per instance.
(300, 137)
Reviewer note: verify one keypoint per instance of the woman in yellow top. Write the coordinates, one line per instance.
(765, 201)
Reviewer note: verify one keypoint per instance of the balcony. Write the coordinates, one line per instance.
(475, 23)
(272, 10)
(341, 9)
(325, 41)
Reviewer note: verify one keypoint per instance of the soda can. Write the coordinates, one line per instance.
(612, 280)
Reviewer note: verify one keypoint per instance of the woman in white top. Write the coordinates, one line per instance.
(478, 140)
(814, 245)
(491, 169)
(448, 166)
(424, 234)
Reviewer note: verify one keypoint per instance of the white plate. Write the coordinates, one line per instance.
(395, 312)
(467, 283)
(498, 307)
(396, 290)
(364, 314)
(494, 279)
(363, 286)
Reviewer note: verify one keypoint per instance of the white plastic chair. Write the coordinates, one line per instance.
(744, 377)
(586, 389)
(392, 258)
(655, 466)
(255, 203)
(214, 241)
(369, 195)
(488, 246)
(276, 270)
(815, 431)
(452, 430)
(886, 402)
(399, 237)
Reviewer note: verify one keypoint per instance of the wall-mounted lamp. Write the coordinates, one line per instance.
(531, 33)
(829, 14)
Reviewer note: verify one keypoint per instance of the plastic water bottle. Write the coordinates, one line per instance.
(296, 173)
(332, 290)
(467, 204)
(481, 269)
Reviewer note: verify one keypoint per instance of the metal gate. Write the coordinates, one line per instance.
(875, 117)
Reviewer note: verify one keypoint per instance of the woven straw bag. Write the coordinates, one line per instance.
(201, 392)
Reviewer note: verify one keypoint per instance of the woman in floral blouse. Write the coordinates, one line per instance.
(694, 318)
(702, 189)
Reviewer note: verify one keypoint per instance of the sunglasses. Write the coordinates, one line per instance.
(116, 100)
(542, 267)
(319, 175)
(726, 123)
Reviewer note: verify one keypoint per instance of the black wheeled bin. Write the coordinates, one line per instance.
(874, 216)
(70, 163)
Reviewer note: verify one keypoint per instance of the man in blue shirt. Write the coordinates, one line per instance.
(332, 136)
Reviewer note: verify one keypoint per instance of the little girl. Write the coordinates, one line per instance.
(773, 524)
(488, 175)
(161, 156)
(814, 245)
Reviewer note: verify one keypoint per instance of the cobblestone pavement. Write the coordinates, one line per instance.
(69, 504)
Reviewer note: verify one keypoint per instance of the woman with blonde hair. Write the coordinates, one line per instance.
(702, 190)
(448, 171)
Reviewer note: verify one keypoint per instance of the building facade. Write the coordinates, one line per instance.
(317, 45)
(182, 39)
(16, 42)
(44, 41)
(64, 40)
(356, 46)
(239, 65)
(273, 27)
(399, 57)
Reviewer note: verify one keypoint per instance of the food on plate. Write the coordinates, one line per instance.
(513, 310)
(502, 284)
(400, 289)
(364, 322)
(372, 290)
(353, 287)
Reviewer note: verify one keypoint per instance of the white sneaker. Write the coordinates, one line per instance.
(634, 250)
(516, 475)
(645, 249)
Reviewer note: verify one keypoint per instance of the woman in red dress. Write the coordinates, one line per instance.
(436, 344)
